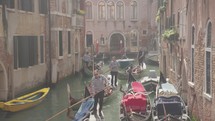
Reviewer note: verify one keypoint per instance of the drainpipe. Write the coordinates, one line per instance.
(10, 85)
(49, 41)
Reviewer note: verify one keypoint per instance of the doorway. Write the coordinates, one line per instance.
(116, 43)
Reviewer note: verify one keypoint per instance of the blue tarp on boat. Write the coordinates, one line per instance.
(84, 109)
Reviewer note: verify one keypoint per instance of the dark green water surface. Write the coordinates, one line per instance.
(57, 100)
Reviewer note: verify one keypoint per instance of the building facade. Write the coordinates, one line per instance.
(116, 26)
(23, 36)
(40, 43)
(187, 54)
(67, 32)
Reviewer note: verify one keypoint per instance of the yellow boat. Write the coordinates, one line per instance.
(25, 102)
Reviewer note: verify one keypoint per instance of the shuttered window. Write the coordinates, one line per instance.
(43, 6)
(60, 43)
(26, 5)
(25, 51)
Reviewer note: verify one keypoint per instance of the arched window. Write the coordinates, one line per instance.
(208, 60)
(133, 10)
(88, 10)
(192, 53)
(111, 10)
(101, 10)
(120, 10)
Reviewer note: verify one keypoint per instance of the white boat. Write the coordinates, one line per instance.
(150, 82)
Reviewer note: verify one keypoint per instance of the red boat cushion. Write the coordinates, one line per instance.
(136, 102)
(137, 87)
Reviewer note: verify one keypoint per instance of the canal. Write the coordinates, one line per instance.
(57, 100)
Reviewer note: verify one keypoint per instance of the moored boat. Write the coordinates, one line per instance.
(125, 62)
(26, 101)
(88, 91)
(83, 113)
(150, 82)
(135, 104)
(137, 72)
(169, 105)
(87, 71)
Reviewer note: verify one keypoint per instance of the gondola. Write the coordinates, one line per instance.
(88, 91)
(137, 72)
(150, 82)
(135, 104)
(152, 60)
(85, 108)
(168, 105)
(25, 102)
(87, 71)
(125, 62)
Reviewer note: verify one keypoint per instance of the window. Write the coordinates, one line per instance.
(60, 43)
(89, 39)
(26, 5)
(101, 10)
(111, 10)
(75, 6)
(134, 38)
(41, 49)
(133, 10)
(25, 51)
(89, 10)
(208, 60)
(102, 40)
(43, 6)
(144, 32)
(192, 53)
(69, 43)
(9, 3)
(120, 10)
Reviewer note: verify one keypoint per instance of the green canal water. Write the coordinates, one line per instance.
(57, 100)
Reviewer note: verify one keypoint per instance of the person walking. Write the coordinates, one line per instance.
(114, 68)
(99, 82)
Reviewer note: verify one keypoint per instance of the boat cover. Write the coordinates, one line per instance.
(137, 87)
(137, 101)
(84, 109)
(169, 105)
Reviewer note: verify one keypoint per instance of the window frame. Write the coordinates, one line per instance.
(134, 9)
(110, 10)
(120, 10)
(193, 37)
(22, 8)
(100, 9)
(60, 44)
(208, 49)
(69, 42)
(89, 7)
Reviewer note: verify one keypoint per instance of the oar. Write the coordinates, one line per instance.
(68, 92)
(69, 99)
